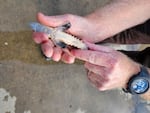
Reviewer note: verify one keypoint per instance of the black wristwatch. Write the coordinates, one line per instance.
(139, 83)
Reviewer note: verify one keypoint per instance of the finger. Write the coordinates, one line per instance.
(67, 58)
(53, 21)
(57, 52)
(47, 48)
(95, 47)
(95, 79)
(94, 57)
(96, 69)
(39, 37)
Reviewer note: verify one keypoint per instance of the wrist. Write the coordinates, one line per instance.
(134, 69)
(139, 83)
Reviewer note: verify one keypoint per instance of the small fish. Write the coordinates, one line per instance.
(58, 36)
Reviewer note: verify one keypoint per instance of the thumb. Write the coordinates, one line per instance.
(78, 24)
(53, 21)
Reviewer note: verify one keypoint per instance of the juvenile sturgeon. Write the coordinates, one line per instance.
(58, 36)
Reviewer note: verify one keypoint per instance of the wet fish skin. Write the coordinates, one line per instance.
(58, 36)
(40, 28)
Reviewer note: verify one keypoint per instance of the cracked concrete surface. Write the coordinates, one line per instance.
(44, 89)
(30, 84)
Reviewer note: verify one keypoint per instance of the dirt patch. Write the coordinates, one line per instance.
(20, 46)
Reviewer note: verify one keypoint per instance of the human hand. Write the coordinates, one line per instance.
(80, 27)
(107, 68)
(95, 27)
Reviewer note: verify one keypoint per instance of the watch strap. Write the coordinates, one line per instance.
(142, 74)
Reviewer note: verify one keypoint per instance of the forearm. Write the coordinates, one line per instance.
(119, 15)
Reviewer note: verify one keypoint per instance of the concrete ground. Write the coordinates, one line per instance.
(30, 84)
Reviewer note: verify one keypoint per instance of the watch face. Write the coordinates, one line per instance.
(140, 85)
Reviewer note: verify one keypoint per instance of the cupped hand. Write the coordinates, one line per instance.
(107, 68)
(80, 27)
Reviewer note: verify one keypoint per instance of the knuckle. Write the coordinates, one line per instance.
(92, 58)
(111, 62)
(109, 76)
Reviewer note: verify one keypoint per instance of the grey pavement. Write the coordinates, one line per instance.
(30, 84)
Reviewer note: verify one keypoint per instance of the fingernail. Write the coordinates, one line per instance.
(48, 58)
